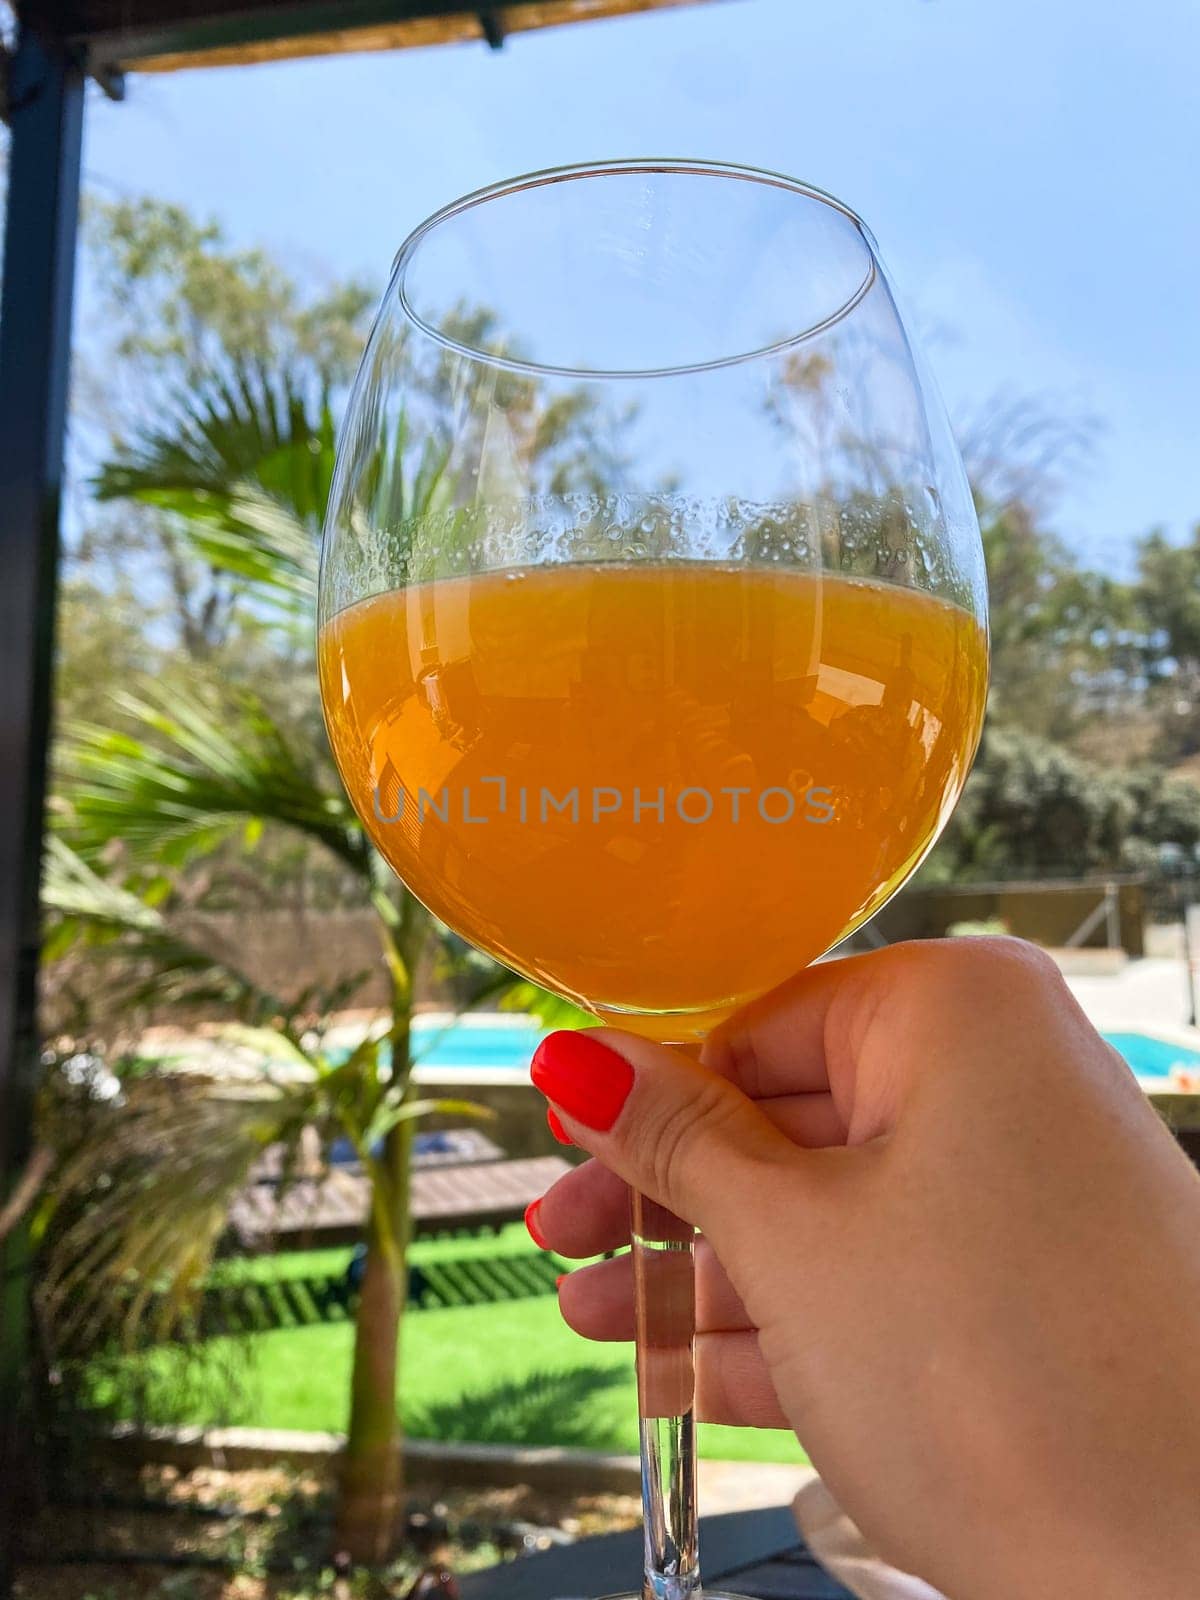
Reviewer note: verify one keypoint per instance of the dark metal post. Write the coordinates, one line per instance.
(45, 113)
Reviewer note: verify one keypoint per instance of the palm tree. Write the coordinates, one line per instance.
(242, 472)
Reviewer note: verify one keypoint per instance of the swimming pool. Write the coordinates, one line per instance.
(474, 1041)
(487, 1042)
(1153, 1058)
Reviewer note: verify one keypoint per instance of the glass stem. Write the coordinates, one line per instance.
(665, 1298)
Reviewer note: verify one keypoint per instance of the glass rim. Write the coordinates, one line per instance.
(629, 166)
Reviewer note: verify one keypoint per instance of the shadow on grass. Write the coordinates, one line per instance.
(169, 1385)
(547, 1408)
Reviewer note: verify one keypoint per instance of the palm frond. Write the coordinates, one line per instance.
(146, 1179)
(551, 1010)
(199, 772)
(138, 1205)
(72, 888)
(244, 426)
(145, 959)
(250, 534)
(243, 463)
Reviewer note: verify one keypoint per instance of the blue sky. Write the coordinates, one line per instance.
(1030, 170)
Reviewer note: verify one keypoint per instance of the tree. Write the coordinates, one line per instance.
(1068, 656)
(1167, 598)
(1019, 450)
(180, 302)
(144, 1179)
(1168, 593)
(193, 775)
(243, 471)
(1043, 616)
(1034, 809)
(175, 303)
(244, 475)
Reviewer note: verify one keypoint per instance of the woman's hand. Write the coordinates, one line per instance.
(945, 1239)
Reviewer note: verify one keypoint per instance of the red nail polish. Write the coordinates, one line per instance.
(561, 1279)
(535, 1233)
(587, 1079)
(556, 1128)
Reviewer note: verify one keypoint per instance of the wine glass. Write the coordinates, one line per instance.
(652, 630)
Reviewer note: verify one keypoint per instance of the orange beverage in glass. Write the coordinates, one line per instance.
(659, 789)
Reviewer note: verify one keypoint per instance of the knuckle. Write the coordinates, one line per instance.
(677, 1152)
(992, 961)
(1015, 965)
(932, 985)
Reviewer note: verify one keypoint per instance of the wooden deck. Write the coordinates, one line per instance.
(445, 1198)
(756, 1554)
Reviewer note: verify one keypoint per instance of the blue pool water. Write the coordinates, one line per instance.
(1153, 1058)
(476, 1042)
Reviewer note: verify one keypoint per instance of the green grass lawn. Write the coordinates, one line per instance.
(507, 1372)
(510, 1241)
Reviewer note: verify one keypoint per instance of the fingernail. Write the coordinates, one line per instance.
(587, 1079)
(531, 1222)
(561, 1279)
(556, 1128)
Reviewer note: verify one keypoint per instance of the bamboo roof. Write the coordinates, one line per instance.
(167, 35)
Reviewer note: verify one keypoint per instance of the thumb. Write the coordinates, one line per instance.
(684, 1137)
